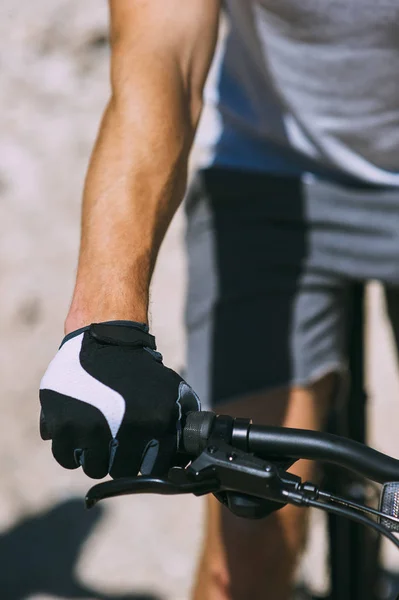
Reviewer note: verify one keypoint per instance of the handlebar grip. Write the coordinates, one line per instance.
(196, 432)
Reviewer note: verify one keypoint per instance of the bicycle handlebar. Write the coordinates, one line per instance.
(282, 443)
(249, 463)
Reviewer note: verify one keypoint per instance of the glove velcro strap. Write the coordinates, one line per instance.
(118, 335)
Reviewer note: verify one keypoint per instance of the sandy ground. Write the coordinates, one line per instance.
(54, 66)
(55, 84)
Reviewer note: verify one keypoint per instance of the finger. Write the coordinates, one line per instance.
(149, 457)
(94, 456)
(44, 432)
(95, 461)
(63, 453)
(128, 456)
(159, 464)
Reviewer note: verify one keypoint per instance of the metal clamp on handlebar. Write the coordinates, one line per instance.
(249, 486)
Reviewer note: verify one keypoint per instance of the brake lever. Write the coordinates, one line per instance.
(178, 482)
(217, 469)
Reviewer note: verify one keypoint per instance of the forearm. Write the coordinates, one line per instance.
(161, 53)
(135, 182)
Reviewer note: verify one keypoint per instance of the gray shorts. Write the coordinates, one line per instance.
(271, 261)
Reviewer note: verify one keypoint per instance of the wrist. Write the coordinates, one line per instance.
(115, 332)
(105, 293)
(78, 317)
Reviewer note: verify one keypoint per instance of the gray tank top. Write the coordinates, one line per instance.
(306, 86)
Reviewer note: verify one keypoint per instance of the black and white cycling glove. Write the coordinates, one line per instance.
(110, 405)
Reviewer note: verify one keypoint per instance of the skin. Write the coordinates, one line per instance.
(161, 53)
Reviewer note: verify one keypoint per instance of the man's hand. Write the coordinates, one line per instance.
(109, 404)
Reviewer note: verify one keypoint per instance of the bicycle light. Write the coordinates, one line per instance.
(389, 505)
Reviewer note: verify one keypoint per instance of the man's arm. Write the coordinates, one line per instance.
(161, 53)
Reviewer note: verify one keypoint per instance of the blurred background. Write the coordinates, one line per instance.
(54, 85)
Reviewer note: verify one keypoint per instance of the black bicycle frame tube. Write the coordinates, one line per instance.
(354, 550)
